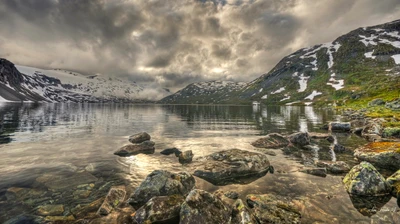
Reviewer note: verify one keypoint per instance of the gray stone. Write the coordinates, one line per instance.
(170, 151)
(160, 209)
(186, 157)
(340, 126)
(320, 172)
(203, 207)
(393, 105)
(162, 183)
(268, 208)
(365, 180)
(376, 102)
(337, 167)
(115, 196)
(146, 147)
(232, 166)
(338, 148)
(271, 141)
(231, 194)
(300, 139)
(139, 137)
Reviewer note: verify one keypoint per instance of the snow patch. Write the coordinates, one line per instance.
(2, 100)
(279, 90)
(286, 98)
(303, 83)
(368, 40)
(396, 58)
(291, 103)
(308, 103)
(337, 84)
(264, 97)
(312, 95)
(369, 55)
(260, 90)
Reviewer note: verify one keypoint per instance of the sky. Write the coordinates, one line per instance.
(175, 43)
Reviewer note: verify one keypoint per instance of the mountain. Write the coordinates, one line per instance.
(361, 65)
(204, 92)
(22, 83)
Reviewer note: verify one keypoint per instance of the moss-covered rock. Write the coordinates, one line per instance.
(203, 207)
(271, 141)
(162, 183)
(241, 214)
(161, 209)
(365, 180)
(232, 166)
(268, 208)
(381, 154)
(115, 196)
(391, 132)
(185, 157)
(335, 167)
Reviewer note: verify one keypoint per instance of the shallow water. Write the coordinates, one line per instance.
(52, 151)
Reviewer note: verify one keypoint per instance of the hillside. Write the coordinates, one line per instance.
(358, 66)
(204, 92)
(22, 83)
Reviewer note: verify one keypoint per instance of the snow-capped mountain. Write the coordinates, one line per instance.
(360, 65)
(22, 83)
(205, 92)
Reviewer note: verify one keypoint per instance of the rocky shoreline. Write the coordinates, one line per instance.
(168, 197)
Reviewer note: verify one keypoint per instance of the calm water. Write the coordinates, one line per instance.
(43, 144)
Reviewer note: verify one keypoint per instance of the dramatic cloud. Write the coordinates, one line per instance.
(174, 43)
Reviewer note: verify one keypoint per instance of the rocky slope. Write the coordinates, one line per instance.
(361, 65)
(205, 92)
(22, 83)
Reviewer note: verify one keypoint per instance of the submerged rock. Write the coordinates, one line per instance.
(45, 210)
(118, 216)
(203, 207)
(365, 180)
(300, 139)
(161, 209)
(170, 151)
(394, 182)
(271, 141)
(337, 167)
(268, 208)
(381, 154)
(162, 183)
(72, 181)
(115, 196)
(232, 166)
(186, 157)
(139, 137)
(320, 172)
(146, 147)
(81, 211)
(340, 126)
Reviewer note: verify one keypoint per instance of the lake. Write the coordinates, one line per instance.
(43, 144)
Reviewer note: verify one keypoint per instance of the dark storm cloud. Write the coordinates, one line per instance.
(174, 43)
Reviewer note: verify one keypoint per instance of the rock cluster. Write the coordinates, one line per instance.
(141, 144)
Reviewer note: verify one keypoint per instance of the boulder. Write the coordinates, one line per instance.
(271, 141)
(394, 182)
(232, 166)
(365, 180)
(242, 214)
(337, 167)
(381, 154)
(160, 209)
(170, 151)
(339, 126)
(338, 148)
(376, 102)
(299, 139)
(373, 127)
(320, 172)
(393, 105)
(268, 208)
(203, 207)
(162, 183)
(115, 196)
(139, 137)
(186, 157)
(146, 147)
